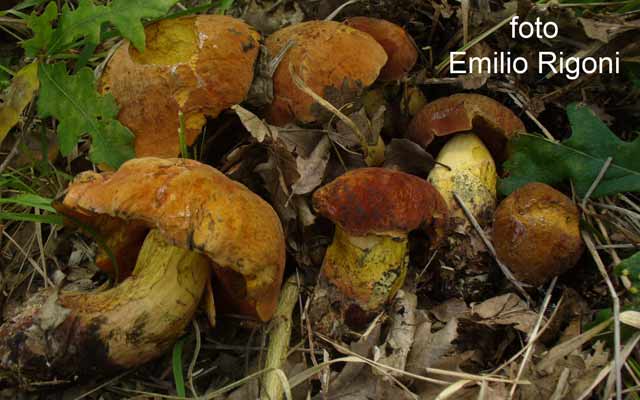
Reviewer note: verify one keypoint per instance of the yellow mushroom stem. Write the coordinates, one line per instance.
(471, 173)
(73, 333)
(368, 270)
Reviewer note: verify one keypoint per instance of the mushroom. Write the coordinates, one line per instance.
(199, 219)
(494, 123)
(464, 167)
(536, 233)
(328, 56)
(197, 66)
(374, 209)
(401, 51)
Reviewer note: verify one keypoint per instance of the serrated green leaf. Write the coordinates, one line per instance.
(578, 159)
(126, 16)
(79, 108)
(42, 30)
(85, 21)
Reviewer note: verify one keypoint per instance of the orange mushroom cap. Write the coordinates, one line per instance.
(490, 120)
(325, 55)
(378, 200)
(196, 207)
(401, 52)
(198, 65)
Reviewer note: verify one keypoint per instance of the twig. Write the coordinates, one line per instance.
(337, 11)
(279, 337)
(596, 182)
(533, 335)
(586, 236)
(490, 247)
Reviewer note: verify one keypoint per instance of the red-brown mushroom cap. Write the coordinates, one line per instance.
(376, 200)
(487, 118)
(401, 52)
(199, 208)
(198, 65)
(325, 55)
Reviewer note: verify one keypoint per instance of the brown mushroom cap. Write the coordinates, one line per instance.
(198, 65)
(536, 233)
(377, 201)
(199, 208)
(487, 118)
(325, 55)
(401, 52)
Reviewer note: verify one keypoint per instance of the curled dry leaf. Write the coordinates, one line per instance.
(198, 66)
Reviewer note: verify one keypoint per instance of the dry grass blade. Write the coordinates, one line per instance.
(533, 335)
(586, 236)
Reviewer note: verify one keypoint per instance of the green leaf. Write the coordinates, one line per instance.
(578, 159)
(42, 30)
(126, 16)
(30, 200)
(79, 108)
(84, 21)
(45, 219)
(176, 361)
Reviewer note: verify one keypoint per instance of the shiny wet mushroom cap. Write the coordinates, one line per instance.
(326, 55)
(197, 66)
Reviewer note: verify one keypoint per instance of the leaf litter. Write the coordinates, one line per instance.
(418, 334)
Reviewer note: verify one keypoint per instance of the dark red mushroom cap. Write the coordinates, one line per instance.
(376, 200)
(494, 123)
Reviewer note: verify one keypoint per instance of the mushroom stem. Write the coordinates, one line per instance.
(366, 270)
(69, 334)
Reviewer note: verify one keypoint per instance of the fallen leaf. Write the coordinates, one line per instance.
(507, 309)
(17, 97)
(311, 169)
(256, 126)
(579, 158)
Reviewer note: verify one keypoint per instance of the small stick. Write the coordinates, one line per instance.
(489, 246)
(279, 340)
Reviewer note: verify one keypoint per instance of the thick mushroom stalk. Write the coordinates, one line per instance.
(209, 220)
(465, 168)
(61, 335)
(374, 210)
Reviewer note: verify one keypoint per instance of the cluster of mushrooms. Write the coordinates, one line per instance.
(181, 233)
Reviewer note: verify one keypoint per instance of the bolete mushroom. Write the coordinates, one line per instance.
(401, 51)
(199, 219)
(327, 56)
(536, 233)
(374, 210)
(197, 66)
(465, 168)
(494, 123)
